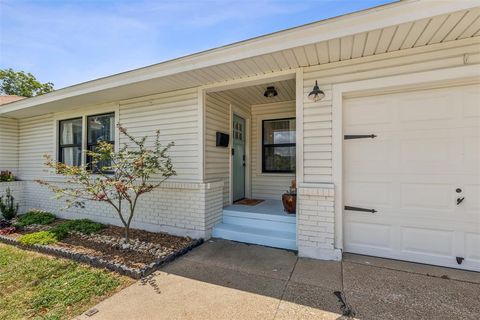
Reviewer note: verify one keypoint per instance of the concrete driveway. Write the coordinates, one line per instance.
(228, 280)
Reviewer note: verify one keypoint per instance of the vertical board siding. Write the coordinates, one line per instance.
(217, 159)
(175, 114)
(36, 138)
(9, 144)
(268, 185)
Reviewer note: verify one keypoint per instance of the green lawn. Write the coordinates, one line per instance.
(37, 286)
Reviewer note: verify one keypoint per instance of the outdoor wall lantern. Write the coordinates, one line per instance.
(316, 94)
(270, 92)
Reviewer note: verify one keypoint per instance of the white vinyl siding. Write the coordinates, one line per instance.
(9, 144)
(317, 116)
(268, 185)
(217, 159)
(175, 114)
(37, 138)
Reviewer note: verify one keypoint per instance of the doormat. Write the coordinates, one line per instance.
(249, 202)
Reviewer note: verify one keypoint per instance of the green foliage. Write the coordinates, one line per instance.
(22, 84)
(6, 176)
(8, 207)
(38, 287)
(40, 237)
(35, 217)
(84, 226)
(127, 176)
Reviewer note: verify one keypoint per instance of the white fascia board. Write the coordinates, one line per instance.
(370, 19)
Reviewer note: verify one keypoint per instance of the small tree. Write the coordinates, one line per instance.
(117, 178)
(8, 207)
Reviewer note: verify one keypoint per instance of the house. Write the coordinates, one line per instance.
(385, 152)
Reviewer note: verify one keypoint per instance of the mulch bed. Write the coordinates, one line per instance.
(147, 250)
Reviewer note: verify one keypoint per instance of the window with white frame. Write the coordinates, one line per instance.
(72, 140)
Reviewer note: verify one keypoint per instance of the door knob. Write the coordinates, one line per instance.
(459, 200)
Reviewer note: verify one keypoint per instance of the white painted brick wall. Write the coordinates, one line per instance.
(17, 188)
(186, 209)
(316, 222)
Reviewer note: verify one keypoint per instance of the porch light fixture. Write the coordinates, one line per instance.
(316, 94)
(270, 92)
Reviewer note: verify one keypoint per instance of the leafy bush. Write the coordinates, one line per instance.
(6, 176)
(41, 237)
(84, 226)
(8, 207)
(35, 217)
(61, 231)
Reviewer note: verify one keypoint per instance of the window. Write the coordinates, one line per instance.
(100, 128)
(70, 142)
(278, 146)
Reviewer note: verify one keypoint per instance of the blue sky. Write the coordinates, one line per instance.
(68, 42)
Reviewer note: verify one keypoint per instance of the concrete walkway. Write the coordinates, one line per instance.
(228, 280)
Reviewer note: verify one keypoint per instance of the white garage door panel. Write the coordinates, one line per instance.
(427, 146)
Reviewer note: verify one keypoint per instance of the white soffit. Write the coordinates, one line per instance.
(254, 94)
(455, 25)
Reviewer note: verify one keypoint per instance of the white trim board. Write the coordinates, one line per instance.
(412, 81)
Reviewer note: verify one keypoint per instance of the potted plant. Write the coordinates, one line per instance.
(6, 176)
(289, 199)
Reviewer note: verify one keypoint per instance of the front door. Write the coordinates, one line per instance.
(238, 154)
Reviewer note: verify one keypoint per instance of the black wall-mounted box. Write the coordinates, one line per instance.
(222, 139)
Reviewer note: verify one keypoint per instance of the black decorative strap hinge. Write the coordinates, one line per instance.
(460, 260)
(359, 136)
(360, 209)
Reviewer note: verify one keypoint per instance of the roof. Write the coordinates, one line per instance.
(391, 27)
(10, 98)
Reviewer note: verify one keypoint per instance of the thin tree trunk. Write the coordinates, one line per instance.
(127, 234)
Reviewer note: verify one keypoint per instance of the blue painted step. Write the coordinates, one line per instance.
(260, 220)
(262, 236)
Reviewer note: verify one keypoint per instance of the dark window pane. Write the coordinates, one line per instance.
(101, 128)
(71, 132)
(71, 155)
(279, 159)
(100, 166)
(279, 131)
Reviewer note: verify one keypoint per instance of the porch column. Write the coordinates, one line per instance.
(316, 222)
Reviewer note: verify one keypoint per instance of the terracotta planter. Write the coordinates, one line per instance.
(289, 202)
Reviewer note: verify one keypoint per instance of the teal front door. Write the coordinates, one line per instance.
(238, 158)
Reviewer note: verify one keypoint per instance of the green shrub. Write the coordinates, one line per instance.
(35, 217)
(84, 226)
(61, 231)
(41, 237)
(8, 207)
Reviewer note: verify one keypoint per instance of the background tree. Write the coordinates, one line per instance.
(117, 178)
(22, 84)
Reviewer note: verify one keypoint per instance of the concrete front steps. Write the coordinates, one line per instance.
(272, 230)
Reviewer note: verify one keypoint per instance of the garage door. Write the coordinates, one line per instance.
(412, 191)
